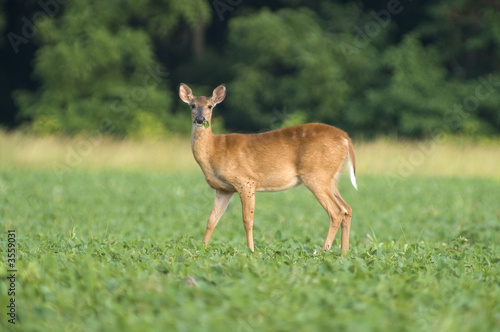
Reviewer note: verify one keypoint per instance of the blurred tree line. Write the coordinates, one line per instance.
(394, 67)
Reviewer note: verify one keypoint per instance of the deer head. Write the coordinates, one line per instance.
(202, 107)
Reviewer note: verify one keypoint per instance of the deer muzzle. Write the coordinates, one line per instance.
(199, 120)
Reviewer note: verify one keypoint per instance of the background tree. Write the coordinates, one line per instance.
(97, 68)
(371, 67)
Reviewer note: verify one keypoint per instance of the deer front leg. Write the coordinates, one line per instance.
(222, 199)
(247, 196)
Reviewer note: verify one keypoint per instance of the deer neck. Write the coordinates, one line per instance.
(202, 146)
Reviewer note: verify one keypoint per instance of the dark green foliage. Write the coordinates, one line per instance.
(371, 67)
(96, 73)
(286, 63)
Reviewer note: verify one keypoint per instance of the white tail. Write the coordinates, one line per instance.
(312, 154)
(352, 173)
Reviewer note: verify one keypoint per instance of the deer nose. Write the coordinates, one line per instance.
(200, 119)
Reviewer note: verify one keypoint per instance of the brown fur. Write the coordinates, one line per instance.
(312, 154)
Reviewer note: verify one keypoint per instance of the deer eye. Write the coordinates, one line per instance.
(210, 107)
(192, 106)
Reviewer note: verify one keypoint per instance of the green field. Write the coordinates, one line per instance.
(121, 250)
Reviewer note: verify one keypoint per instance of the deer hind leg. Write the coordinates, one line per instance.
(222, 199)
(334, 207)
(346, 222)
(247, 196)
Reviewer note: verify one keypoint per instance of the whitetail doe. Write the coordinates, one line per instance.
(312, 154)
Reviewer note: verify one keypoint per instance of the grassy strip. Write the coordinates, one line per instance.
(445, 157)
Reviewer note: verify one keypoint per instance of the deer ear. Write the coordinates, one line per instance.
(219, 94)
(185, 93)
